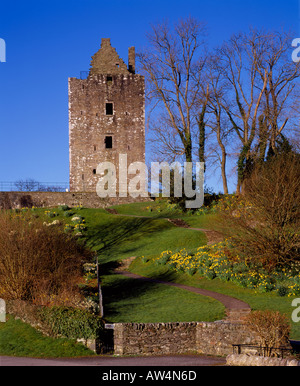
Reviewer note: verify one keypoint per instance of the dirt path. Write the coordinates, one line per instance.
(235, 309)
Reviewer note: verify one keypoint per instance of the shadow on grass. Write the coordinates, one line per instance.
(107, 238)
(127, 297)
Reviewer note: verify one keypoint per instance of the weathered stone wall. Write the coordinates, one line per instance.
(154, 338)
(215, 338)
(109, 81)
(13, 200)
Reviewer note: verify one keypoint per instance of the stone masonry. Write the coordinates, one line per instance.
(106, 117)
(209, 338)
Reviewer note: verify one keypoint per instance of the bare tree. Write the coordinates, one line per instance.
(217, 120)
(31, 185)
(239, 69)
(173, 67)
(28, 185)
(261, 78)
(280, 95)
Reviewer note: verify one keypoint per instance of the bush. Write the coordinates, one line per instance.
(210, 275)
(271, 328)
(63, 207)
(37, 261)
(264, 223)
(282, 290)
(218, 260)
(71, 323)
(50, 214)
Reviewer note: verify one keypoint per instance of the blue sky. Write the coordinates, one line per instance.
(49, 41)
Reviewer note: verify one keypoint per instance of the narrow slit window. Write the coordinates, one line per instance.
(109, 109)
(108, 142)
(94, 171)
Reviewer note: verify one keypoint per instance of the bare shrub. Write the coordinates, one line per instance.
(271, 328)
(37, 261)
(264, 223)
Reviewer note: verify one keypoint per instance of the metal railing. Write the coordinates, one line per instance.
(33, 186)
(263, 351)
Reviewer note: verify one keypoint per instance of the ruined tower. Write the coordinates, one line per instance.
(106, 116)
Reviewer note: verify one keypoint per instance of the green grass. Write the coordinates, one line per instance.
(153, 208)
(20, 339)
(128, 300)
(257, 301)
(117, 237)
(131, 300)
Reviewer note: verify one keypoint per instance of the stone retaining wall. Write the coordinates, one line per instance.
(13, 200)
(214, 338)
(208, 338)
(154, 338)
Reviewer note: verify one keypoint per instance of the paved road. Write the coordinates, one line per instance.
(179, 360)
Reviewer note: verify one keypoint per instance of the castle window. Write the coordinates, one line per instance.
(108, 142)
(94, 171)
(109, 109)
(95, 147)
(109, 79)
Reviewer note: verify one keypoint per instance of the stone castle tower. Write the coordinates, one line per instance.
(106, 116)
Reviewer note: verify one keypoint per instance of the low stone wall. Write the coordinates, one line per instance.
(28, 313)
(215, 338)
(154, 338)
(14, 200)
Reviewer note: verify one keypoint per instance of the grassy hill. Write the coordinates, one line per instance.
(128, 235)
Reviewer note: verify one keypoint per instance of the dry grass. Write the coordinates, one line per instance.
(37, 262)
